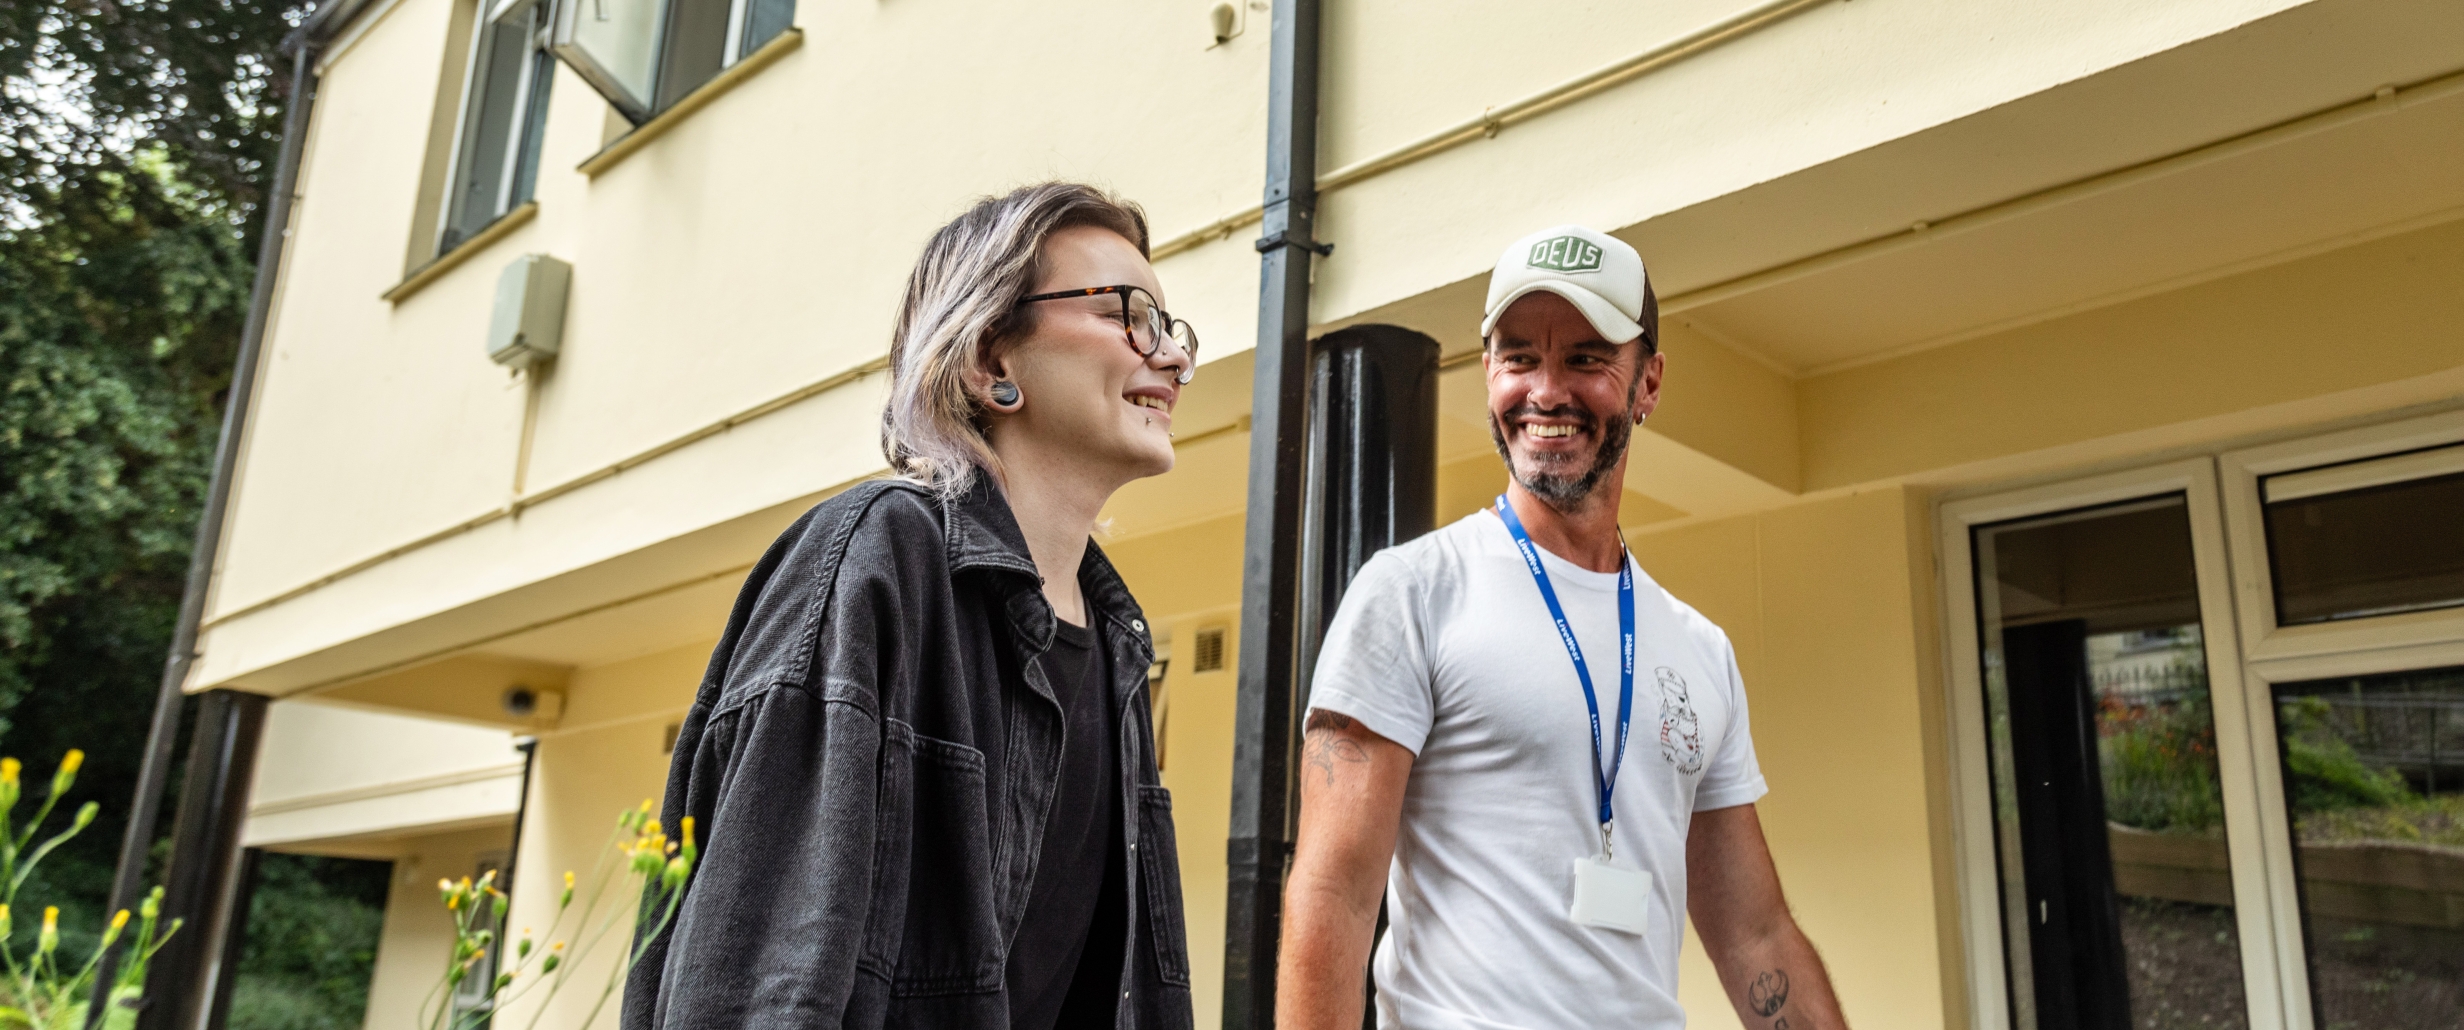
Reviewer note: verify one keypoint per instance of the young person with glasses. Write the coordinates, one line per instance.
(1537, 755)
(921, 763)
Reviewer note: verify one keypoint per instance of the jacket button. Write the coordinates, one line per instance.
(1138, 624)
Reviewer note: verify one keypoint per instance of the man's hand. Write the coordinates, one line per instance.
(1773, 976)
(1351, 801)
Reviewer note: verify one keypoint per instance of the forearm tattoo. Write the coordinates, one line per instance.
(1321, 748)
(1768, 994)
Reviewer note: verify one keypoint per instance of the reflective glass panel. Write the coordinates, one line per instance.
(2380, 550)
(2117, 889)
(2374, 779)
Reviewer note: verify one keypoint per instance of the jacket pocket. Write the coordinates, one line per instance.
(1160, 870)
(933, 868)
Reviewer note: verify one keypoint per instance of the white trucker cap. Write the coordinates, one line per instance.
(1598, 273)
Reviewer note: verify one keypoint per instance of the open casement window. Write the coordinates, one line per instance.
(644, 55)
(504, 112)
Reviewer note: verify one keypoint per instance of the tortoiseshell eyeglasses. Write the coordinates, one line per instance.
(1144, 323)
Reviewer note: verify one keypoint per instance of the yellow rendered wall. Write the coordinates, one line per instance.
(418, 938)
(606, 755)
(1820, 600)
(1187, 580)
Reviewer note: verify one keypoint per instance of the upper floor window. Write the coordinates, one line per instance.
(504, 112)
(645, 55)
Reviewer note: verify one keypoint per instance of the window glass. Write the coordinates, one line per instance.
(696, 47)
(763, 21)
(2378, 550)
(497, 162)
(645, 55)
(2374, 784)
(614, 46)
(2117, 886)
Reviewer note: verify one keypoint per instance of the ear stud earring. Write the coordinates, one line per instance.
(1004, 393)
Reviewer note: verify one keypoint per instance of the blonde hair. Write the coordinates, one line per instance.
(962, 304)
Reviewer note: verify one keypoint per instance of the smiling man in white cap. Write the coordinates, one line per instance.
(1535, 754)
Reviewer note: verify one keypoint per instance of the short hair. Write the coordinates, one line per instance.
(961, 306)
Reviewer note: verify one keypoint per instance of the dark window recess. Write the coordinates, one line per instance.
(695, 48)
(504, 115)
(2375, 551)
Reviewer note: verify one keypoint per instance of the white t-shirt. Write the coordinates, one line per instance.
(1444, 646)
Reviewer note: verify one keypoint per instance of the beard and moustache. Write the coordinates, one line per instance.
(1565, 483)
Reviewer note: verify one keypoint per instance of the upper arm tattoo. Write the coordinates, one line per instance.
(1322, 746)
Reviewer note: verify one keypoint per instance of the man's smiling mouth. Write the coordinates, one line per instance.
(1550, 432)
(1145, 401)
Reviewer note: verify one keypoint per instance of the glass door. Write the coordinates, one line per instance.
(2114, 870)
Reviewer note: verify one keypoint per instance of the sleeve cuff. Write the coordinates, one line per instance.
(1731, 796)
(1400, 729)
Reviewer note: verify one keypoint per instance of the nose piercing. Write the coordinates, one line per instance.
(1004, 393)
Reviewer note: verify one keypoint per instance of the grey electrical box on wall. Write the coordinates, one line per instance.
(530, 311)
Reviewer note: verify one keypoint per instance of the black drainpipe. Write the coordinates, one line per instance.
(128, 883)
(1272, 622)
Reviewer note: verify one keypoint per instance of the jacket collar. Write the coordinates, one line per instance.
(983, 534)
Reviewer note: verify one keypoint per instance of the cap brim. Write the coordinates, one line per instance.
(1612, 324)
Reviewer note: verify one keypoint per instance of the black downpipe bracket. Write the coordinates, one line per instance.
(145, 811)
(1271, 624)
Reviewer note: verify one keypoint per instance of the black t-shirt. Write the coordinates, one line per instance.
(1065, 966)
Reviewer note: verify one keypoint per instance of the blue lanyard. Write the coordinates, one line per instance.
(1604, 781)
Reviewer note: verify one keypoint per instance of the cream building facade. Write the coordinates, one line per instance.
(1930, 270)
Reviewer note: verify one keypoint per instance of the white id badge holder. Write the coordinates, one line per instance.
(1611, 898)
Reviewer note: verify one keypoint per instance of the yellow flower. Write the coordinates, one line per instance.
(8, 770)
(50, 938)
(71, 762)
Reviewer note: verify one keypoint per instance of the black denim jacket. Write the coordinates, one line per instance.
(871, 761)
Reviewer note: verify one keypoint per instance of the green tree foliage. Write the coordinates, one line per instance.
(137, 138)
(312, 932)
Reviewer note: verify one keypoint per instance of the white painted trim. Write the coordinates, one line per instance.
(2242, 472)
(410, 786)
(2362, 475)
(733, 50)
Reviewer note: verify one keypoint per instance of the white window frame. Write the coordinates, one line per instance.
(2244, 517)
(485, 14)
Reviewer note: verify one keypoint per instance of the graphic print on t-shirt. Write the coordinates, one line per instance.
(1681, 733)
